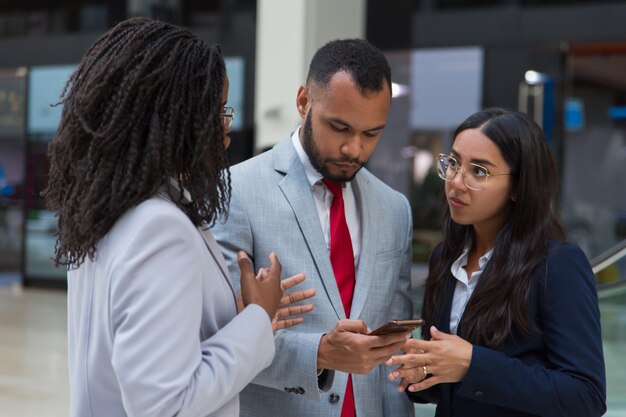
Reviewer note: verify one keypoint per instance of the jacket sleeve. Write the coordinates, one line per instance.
(395, 403)
(156, 301)
(432, 394)
(573, 383)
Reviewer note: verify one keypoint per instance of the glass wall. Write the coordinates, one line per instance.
(12, 168)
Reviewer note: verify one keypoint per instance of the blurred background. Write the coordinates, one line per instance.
(563, 62)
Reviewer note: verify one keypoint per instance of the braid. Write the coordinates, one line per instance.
(144, 105)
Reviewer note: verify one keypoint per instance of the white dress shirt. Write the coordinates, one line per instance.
(324, 197)
(464, 286)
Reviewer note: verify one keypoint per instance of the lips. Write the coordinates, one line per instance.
(456, 203)
(347, 166)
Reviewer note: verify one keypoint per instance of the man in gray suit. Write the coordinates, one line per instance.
(282, 201)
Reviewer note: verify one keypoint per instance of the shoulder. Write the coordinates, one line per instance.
(566, 255)
(277, 158)
(382, 191)
(251, 164)
(150, 222)
(159, 210)
(566, 268)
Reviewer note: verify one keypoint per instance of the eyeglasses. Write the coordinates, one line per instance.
(448, 166)
(228, 115)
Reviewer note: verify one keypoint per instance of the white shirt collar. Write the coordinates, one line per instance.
(457, 267)
(313, 176)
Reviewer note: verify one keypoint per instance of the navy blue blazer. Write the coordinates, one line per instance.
(559, 372)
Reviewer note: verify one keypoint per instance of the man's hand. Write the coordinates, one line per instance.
(283, 318)
(348, 348)
(264, 290)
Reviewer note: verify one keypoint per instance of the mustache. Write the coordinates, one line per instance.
(355, 161)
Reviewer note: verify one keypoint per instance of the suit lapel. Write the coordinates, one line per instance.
(214, 249)
(296, 190)
(216, 253)
(369, 213)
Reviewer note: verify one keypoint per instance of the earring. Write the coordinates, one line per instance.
(514, 197)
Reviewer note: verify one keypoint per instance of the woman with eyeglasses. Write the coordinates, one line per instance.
(138, 173)
(512, 324)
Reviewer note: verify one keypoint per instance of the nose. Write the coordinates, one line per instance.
(458, 181)
(352, 147)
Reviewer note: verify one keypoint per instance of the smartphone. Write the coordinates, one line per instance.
(397, 326)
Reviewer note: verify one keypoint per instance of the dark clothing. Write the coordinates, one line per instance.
(559, 372)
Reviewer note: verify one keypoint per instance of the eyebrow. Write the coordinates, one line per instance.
(474, 161)
(346, 124)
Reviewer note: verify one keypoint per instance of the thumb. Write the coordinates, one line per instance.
(245, 266)
(436, 334)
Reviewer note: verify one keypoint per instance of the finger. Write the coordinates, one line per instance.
(353, 326)
(292, 281)
(262, 274)
(403, 384)
(283, 324)
(418, 344)
(408, 376)
(390, 339)
(425, 383)
(297, 296)
(437, 334)
(416, 359)
(275, 267)
(293, 310)
(245, 265)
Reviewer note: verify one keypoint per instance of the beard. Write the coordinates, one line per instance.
(317, 160)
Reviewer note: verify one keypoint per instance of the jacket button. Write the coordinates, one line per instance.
(478, 393)
(334, 398)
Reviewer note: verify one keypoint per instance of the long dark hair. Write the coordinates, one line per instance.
(501, 297)
(143, 106)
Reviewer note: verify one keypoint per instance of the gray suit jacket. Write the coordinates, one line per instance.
(153, 326)
(272, 209)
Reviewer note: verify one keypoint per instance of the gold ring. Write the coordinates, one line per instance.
(425, 371)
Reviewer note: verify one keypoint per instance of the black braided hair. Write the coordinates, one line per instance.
(143, 106)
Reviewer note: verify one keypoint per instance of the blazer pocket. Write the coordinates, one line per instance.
(389, 254)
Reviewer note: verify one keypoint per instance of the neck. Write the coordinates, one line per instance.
(484, 239)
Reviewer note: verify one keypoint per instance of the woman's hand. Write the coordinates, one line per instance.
(264, 289)
(443, 359)
(284, 315)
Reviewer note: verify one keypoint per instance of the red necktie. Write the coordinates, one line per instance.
(342, 261)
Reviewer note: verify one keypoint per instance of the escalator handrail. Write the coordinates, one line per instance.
(609, 257)
(602, 261)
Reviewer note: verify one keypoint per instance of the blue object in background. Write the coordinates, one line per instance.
(6, 189)
(548, 110)
(574, 114)
(617, 112)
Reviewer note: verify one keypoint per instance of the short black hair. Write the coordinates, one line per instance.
(366, 64)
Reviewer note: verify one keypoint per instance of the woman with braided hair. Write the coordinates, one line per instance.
(138, 173)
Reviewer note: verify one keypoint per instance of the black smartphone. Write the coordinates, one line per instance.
(397, 326)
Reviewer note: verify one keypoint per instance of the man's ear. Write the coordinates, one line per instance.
(303, 101)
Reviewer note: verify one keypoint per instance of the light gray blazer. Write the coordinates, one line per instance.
(152, 323)
(272, 209)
